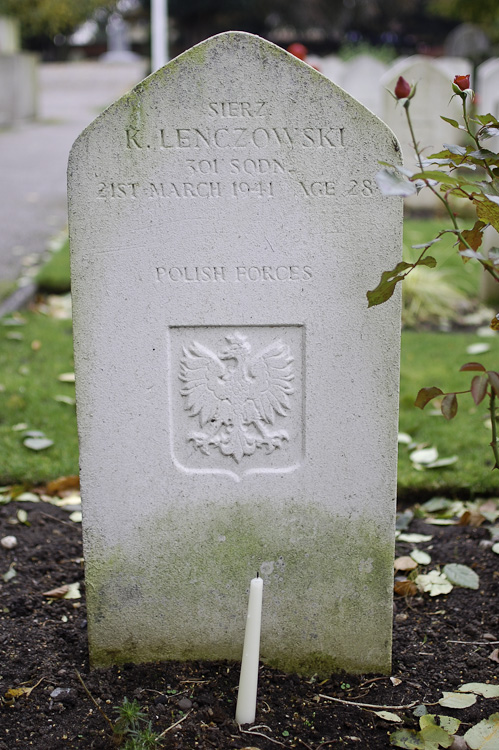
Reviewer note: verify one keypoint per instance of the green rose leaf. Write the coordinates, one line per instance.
(429, 261)
(486, 119)
(472, 367)
(386, 287)
(449, 406)
(479, 388)
(473, 236)
(454, 123)
(391, 182)
(455, 149)
(435, 175)
(487, 211)
(494, 380)
(425, 395)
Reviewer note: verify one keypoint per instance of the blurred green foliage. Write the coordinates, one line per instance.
(51, 17)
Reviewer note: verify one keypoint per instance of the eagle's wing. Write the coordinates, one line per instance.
(204, 390)
(271, 372)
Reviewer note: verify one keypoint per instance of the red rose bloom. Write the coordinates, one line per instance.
(462, 82)
(298, 50)
(402, 89)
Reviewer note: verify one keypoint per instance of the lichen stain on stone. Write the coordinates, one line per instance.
(190, 604)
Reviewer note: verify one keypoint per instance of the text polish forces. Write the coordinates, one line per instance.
(238, 274)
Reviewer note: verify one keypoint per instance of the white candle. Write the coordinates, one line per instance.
(248, 681)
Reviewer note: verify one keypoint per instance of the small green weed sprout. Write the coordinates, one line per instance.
(130, 727)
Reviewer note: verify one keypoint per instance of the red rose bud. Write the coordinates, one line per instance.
(402, 89)
(298, 50)
(462, 82)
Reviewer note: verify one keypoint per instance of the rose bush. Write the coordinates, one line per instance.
(470, 173)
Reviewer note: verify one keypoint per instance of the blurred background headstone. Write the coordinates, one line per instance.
(118, 43)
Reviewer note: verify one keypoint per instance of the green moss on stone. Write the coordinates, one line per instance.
(327, 590)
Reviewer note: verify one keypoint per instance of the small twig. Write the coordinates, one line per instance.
(35, 685)
(53, 518)
(304, 743)
(478, 643)
(95, 702)
(172, 726)
(368, 705)
(260, 734)
(374, 679)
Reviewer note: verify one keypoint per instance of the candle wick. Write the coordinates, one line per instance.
(257, 574)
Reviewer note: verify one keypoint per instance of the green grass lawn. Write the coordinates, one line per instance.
(54, 277)
(32, 356)
(434, 359)
(463, 276)
(41, 350)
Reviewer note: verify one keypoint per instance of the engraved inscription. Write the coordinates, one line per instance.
(328, 137)
(243, 189)
(200, 274)
(237, 109)
(225, 159)
(237, 395)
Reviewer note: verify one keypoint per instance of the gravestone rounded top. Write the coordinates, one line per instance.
(232, 62)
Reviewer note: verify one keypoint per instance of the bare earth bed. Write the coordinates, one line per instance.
(439, 644)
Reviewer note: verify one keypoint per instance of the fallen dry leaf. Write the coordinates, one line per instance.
(405, 588)
(14, 693)
(68, 591)
(8, 542)
(405, 563)
(388, 716)
(457, 700)
(58, 593)
(494, 656)
(17, 692)
(471, 518)
(489, 506)
(66, 499)
(62, 484)
(484, 735)
(434, 583)
(480, 688)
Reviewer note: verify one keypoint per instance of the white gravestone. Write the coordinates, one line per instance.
(332, 67)
(237, 400)
(362, 79)
(488, 95)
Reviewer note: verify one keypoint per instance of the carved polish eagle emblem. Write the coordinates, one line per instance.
(237, 395)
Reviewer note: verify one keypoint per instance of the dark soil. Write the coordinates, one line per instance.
(439, 643)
